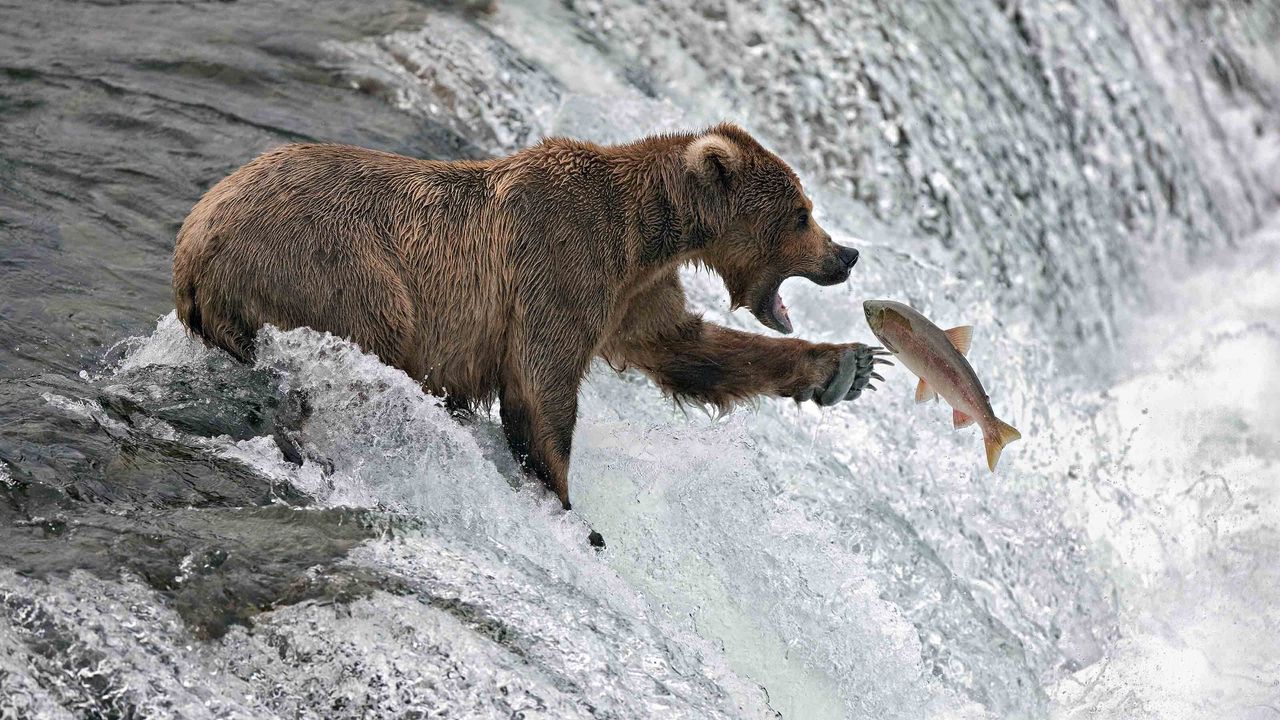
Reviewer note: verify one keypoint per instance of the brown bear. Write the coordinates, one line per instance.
(503, 278)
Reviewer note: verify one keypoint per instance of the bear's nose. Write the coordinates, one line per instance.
(848, 256)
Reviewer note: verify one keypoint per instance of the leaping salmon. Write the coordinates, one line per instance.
(937, 358)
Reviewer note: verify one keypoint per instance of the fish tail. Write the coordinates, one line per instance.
(995, 438)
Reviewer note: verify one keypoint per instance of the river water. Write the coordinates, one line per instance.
(1093, 186)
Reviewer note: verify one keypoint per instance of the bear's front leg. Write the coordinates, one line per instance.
(716, 365)
(539, 411)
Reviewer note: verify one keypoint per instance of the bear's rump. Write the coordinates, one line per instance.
(356, 296)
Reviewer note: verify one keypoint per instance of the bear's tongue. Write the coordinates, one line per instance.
(780, 314)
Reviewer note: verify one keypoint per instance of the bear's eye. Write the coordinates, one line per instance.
(802, 219)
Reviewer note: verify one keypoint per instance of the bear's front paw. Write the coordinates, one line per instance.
(854, 369)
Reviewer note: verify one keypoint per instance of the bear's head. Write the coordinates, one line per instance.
(757, 224)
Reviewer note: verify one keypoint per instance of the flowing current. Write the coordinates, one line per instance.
(1092, 186)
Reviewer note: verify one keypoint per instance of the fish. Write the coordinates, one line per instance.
(937, 357)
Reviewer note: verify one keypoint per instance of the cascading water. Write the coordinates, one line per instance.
(1042, 172)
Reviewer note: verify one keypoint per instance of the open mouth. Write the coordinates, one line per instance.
(772, 312)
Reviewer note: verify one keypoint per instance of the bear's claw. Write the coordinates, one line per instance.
(853, 374)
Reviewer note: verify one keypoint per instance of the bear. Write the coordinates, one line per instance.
(502, 279)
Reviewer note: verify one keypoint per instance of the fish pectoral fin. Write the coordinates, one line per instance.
(996, 438)
(961, 337)
(960, 420)
(924, 393)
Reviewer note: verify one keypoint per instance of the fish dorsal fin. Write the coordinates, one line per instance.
(960, 420)
(961, 337)
(924, 393)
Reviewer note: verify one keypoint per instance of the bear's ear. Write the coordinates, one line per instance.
(713, 158)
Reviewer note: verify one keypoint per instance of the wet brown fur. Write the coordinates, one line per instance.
(504, 278)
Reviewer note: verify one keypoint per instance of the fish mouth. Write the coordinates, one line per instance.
(771, 311)
(874, 311)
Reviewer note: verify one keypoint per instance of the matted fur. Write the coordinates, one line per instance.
(504, 278)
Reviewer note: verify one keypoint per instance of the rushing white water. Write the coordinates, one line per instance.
(1186, 522)
(742, 554)
(852, 562)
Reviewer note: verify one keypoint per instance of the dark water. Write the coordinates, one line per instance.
(1038, 169)
(116, 117)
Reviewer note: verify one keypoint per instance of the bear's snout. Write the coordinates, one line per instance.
(847, 255)
(836, 266)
